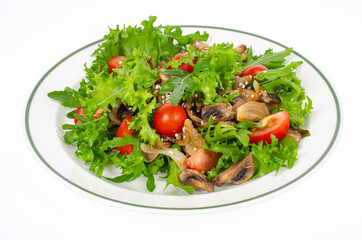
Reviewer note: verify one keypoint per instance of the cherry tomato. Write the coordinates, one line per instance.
(116, 62)
(149, 61)
(123, 128)
(253, 70)
(186, 67)
(97, 114)
(169, 119)
(276, 124)
(203, 160)
(79, 111)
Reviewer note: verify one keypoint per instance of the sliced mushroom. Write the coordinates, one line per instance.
(219, 112)
(242, 51)
(247, 94)
(195, 179)
(252, 111)
(117, 114)
(162, 64)
(238, 173)
(113, 114)
(241, 82)
(272, 101)
(191, 114)
(295, 134)
(200, 46)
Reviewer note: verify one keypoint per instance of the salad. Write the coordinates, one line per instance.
(158, 103)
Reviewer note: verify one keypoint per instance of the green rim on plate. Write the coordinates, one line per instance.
(333, 140)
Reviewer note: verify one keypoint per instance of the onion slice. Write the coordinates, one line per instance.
(176, 155)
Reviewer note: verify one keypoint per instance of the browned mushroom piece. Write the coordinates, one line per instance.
(238, 173)
(295, 134)
(191, 114)
(242, 51)
(241, 82)
(117, 114)
(195, 179)
(272, 101)
(161, 65)
(246, 94)
(252, 111)
(219, 112)
(200, 46)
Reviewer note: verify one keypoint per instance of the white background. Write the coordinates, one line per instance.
(35, 204)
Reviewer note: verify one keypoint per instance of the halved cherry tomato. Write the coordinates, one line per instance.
(97, 114)
(276, 124)
(186, 67)
(253, 70)
(203, 160)
(123, 128)
(169, 119)
(116, 62)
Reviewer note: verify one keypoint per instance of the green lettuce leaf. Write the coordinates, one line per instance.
(284, 83)
(273, 156)
(269, 59)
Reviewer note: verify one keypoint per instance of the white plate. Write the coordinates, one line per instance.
(44, 118)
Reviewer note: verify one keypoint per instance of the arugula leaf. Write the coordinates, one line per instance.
(68, 98)
(268, 59)
(177, 85)
(71, 114)
(122, 178)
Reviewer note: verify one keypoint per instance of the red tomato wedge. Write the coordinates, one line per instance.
(116, 62)
(79, 111)
(203, 160)
(276, 124)
(169, 119)
(97, 114)
(253, 70)
(123, 128)
(186, 67)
